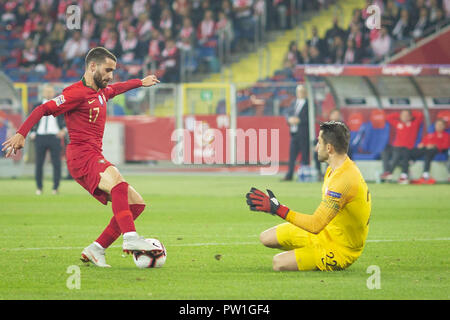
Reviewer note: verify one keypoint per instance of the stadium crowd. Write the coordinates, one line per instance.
(402, 21)
(36, 40)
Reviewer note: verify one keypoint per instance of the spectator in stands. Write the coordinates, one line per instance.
(243, 23)
(414, 11)
(390, 15)
(206, 32)
(351, 55)
(381, 45)
(298, 121)
(402, 28)
(314, 56)
(138, 7)
(305, 54)
(406, 125)
(166, 21)
(113, 44)
(182, 8)
(278, 13)
(21, 15)
(89, 27)
(186, 37)
(334, 31)
(29, 56)
(144, 27)
(224, 29)
(155, 49)
(432, 144)
(446, 5)
(106, 30)
(227, 8)
(101, 7)
(58, 35)
(422, 23)
(434, 8)
(129, 45)
(75, 49)
(170, 62)
(336, 51)
(316, 41)
(293, 56)
(48, 56)
(38, 35)
(439, 19)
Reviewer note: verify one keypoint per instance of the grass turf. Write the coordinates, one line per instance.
(212, 243)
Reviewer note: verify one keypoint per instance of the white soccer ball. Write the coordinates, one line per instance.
(155, 258)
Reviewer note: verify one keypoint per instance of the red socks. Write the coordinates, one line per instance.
(113, 230)
(121, 209)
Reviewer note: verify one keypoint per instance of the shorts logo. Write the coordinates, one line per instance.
(334, 194)
(59, 100)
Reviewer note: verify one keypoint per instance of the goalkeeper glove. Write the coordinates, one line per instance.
(259, 201)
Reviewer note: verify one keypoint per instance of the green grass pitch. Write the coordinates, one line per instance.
(212, 243)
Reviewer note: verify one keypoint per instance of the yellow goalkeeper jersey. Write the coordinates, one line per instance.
(345, 190)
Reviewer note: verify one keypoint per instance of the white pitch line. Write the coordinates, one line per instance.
(217, 244)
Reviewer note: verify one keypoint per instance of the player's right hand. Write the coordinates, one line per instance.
(11, 145)
(259, 201)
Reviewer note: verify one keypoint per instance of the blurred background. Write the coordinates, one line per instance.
(230, 66)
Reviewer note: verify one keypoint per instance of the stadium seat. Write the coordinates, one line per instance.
(444, 114)
(373, 141)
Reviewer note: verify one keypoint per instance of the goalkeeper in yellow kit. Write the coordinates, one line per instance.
(333, 237)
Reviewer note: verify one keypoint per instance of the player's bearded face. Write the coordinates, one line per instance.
(104, 73)
(322, 153)
(100, 80)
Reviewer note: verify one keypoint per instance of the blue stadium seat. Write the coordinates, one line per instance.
(372, 142)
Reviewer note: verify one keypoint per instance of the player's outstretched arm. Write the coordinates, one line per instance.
(149, 81)
(121, 87)
(259, 201)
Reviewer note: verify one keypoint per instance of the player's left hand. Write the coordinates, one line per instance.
(149, 81)
(259, 201)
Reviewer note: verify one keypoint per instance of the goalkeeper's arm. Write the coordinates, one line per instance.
(316, 222)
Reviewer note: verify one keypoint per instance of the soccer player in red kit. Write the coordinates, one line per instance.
(84, 107)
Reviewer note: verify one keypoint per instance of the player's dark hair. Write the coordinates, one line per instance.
(99, 55)
(337, 134)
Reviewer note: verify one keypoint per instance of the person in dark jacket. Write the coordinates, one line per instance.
(298, 121)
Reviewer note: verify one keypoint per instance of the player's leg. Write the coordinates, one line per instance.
(269, 238)
(112, 230)
(114, 184)
(285, 261)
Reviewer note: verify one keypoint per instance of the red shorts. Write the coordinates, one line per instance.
(85, 167)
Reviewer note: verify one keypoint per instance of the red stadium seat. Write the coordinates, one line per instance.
(378, 118)
(444, 114)
(355, 120)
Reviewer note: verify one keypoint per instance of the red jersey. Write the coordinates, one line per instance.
(84, 109)
(405, 132)
(440, 139)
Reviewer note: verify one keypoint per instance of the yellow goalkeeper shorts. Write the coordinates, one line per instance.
(310, 252)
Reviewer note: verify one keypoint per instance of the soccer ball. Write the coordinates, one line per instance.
(155, 258)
